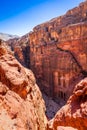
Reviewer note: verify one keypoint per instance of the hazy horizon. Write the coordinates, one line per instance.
(19, 17)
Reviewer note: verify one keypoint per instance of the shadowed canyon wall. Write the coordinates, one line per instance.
(56, 51)
(22, 106)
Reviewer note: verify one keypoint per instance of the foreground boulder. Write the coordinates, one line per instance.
(21, 103)
(74, 113)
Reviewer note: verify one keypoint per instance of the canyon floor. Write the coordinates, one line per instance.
(52, 106)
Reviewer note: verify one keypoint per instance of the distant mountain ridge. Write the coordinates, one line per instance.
(6, 37)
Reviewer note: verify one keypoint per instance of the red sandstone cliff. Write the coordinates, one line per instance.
(22, 106)
(74, 113)
(58, 52)
(21, 103)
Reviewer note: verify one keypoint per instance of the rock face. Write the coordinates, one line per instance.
(58, 52)
(21, 103)
(74, 113)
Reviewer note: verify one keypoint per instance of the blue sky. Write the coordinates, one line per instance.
(20, 16)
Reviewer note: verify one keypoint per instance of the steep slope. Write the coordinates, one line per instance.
(21, 103)
(74, 113)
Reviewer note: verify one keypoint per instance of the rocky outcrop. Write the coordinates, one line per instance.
(21, 103)
(58, 52)
(74, 113)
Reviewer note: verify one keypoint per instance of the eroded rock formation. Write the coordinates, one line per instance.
(74, 113)
(21, 103)
(58, 52)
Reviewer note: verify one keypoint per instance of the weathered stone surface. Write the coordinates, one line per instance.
(21, 103)
(74, 113)
(58, 52)
(73, 38)
(50, 45)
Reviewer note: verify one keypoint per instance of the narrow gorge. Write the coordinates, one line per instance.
(56, 52)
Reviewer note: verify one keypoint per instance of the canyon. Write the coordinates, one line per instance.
(56, 52)
(22, 106)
